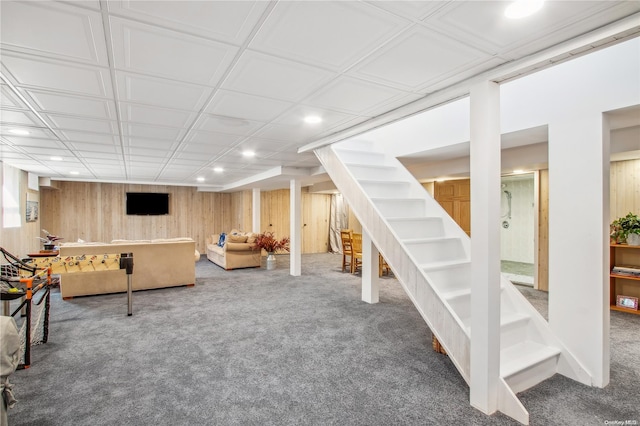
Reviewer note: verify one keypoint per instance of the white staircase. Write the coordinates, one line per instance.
(429, 254)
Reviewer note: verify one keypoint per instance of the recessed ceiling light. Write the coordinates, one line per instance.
(20, 132)
(440, 180)
(523, 8)
(200, 179)
(248, 153)
(218, 169)
(518, 172)
(73, 172)
(56, 158)
(312, 119)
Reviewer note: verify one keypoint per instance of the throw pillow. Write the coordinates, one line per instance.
(237, 238)
(221, 240)
(251, 237)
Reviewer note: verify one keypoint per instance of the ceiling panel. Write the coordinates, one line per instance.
(229, 125)
(276, 78)
(57, 75)
(309, 32)
(182, 56)
(161, 92)
(242, 105)
(230, 21)
(408, 62)
(82, 124)
(133, 130)
(63, 31)
(72, 105)
(8, 117)
(151, 115)
(353, 96)
(180, 86)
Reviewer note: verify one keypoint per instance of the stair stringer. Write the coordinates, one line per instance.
(436, 312)
(445, 326)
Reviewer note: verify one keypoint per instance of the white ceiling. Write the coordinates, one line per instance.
(162, 92)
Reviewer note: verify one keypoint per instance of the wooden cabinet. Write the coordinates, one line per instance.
(622, 254)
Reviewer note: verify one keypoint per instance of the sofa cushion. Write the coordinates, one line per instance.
(237, 238)
(251, 237)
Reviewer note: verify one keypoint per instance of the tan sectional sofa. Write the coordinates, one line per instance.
(238, 250)
(156, 264)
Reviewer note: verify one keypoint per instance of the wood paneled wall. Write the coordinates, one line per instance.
(96, 212)
(22, 240)
(543, 231)
(624, 188)
(274, 217)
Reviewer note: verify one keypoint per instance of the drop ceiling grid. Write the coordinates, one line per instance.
(64, 31)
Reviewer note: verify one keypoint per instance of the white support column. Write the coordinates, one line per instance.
(255, 202)
(579, 239)
(485, 246)
(370, 279)
(295, 228)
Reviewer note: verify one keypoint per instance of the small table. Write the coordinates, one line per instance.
(44, 253)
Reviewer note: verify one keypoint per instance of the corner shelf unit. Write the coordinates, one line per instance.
(623, 254)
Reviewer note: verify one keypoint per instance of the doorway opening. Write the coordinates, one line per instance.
(518, 226)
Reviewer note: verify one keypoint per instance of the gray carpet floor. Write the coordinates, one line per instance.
(257, 347)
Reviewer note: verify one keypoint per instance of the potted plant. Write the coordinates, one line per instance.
(627, 229)
(269, 243)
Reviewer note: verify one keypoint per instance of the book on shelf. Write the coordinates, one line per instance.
(627, 270)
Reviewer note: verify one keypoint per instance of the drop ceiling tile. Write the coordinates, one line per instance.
(167, 145)
(353, 96)
(229, 125)
(33, 141)
(9, 117)
(242, 105)
(299, 133)
(190, 163)
(135, 113)
(205, 149)
(72, 105)
(326, 34)
(229, 21)
(202, 137)
(148, 153)
(160, 92)
(414, 10)
(296, 116)
(392, 104)
(271, 77)
(53, 29)
(91, 138)
(194, 156)
(57, 75)
(8, 98)
(151, 50)
(133, 130)
(416, 58)
(63, 122)
(93, 149)
(482, 24)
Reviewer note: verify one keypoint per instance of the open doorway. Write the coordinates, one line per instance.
(518, 227)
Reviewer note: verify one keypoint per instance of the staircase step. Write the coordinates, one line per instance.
(436, 249)
(372, 171)
(517, 358)
(396, 206)
(417, 227)
(385, 188)
(431, 266)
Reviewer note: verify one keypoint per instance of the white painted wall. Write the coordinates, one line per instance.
(570, 99)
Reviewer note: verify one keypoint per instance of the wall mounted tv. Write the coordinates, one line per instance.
(147, 203)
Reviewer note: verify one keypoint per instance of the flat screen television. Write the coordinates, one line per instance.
(147, 203)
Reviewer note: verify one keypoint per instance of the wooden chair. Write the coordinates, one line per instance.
(345, 237)
(383, 266)
(356, 252)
